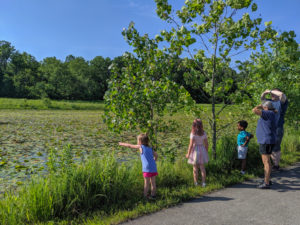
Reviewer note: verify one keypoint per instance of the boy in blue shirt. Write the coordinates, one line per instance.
(243, 139)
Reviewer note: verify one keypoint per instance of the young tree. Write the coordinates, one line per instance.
(140, 94)
(211, 33)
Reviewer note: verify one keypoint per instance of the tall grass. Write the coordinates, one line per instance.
(102, 184)
(98, 184)
(290, 147)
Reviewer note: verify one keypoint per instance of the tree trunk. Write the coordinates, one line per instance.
(214, 123)
(153, 132)
(213, 108)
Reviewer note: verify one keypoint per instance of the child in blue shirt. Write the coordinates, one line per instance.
(148, 158)
(243, 139)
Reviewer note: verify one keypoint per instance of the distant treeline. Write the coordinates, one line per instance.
(22, 76)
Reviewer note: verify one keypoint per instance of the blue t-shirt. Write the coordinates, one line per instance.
(281, 108)
(148, 162)
(241, 138)
(266, 128)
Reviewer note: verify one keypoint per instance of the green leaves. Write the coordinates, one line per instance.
(217, 30)
(238, 4)
(163, 9)
(254, 7)
(268, 23)
(277, 67)
(141, 93)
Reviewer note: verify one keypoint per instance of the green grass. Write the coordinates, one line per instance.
(90, 186)
(290, 148)
(102, 190)
(103, 185)
(42, 104)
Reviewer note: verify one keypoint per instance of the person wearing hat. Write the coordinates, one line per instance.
(266, 137)
(280, 103)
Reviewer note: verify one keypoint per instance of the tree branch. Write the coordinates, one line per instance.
(225, 126)
(238, 53)
(203, 42)
(223, 107)
(199, 66)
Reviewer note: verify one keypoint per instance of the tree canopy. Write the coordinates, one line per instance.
(211, 33)
(141, 93)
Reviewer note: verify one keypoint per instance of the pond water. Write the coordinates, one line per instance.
(26, 136)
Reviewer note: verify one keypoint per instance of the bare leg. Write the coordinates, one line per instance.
(146, 185)
(267, 167)
(203, 173)
(276, 157)
(153, 185)
(195, 173)
(243, 164)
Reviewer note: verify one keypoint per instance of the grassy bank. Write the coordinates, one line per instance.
(97, 182)
(46, 103)
(105, 191)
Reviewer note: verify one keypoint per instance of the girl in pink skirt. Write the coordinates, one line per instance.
(198, 151)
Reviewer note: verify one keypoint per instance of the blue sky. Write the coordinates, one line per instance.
(89, 28)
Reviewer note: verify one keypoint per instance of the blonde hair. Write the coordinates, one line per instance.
(143, 139)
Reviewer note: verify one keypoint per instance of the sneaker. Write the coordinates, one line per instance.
(152, 197)
(275, 168)
(243, 172)
(270, 182)
(196, 183)
(263, 181)
(264, 186)
(203, 184)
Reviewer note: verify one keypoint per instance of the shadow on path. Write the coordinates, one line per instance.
(209, 199)
(286, 180)
(283, 180)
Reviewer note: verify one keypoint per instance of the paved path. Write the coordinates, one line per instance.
(241, 204)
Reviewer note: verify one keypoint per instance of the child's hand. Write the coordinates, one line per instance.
(187, 156)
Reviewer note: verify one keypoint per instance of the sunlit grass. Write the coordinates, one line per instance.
(98, 189)
(42, 104)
